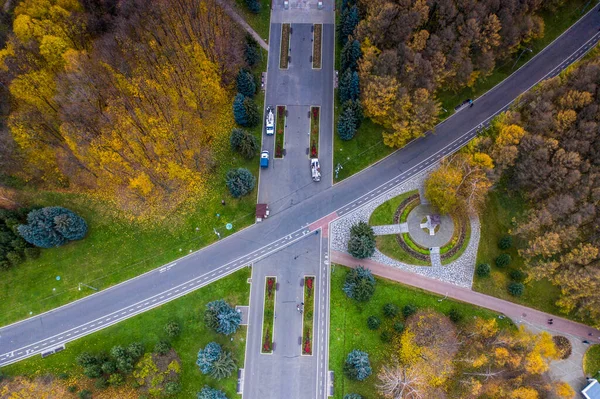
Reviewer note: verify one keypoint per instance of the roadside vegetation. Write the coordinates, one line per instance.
(132, 226)
(269, 314)
(158, 345)
(368, 144)
(257, 15)
(591, 362)
(308, 315)
(403, 331)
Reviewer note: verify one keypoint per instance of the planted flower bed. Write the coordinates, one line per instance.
(317, 32)
(280, 131)
(285, 46)
(269, 315)
(307, 321)
(315, 113)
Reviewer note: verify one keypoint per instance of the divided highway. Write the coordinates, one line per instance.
(64, 324)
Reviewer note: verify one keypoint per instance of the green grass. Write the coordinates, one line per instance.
(388, 245)
(148, 329)
(499, 210)
(349, 330)
(259, 22)
(268, 316)
(591, 361)
(464, 246)
(367, 146)
(384, 213)
(117, 249)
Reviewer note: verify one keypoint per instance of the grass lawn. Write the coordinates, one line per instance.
(500, 208)
(389, 246)
(591, 361)
(259, 22)
(367, 146)
(117, 248)
(464, 246)
(268, 315)
(148, 329)
(384, 213)
(349, 326)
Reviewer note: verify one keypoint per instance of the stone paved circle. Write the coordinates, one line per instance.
(422, 237)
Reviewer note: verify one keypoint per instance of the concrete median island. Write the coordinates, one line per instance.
(268, 314)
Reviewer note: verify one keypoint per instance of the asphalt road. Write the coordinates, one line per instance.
(107, 307)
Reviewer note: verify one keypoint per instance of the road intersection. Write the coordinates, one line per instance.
(292, 222)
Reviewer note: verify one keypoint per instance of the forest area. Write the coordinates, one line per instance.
(411, 51)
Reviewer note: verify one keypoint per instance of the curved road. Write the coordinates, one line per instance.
(41, 333)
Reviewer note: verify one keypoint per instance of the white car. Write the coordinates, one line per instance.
(315, 169)
(270, 121)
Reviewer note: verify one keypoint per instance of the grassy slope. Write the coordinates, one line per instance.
(349, 326)
(148, 328)
(389, 246)
(259, 22)
(500, 208)
(367, 146)
(591, 361)
(384, 213)
(116, 248)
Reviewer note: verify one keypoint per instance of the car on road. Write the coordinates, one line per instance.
(315, 169)
(264, 159)
(270, 121)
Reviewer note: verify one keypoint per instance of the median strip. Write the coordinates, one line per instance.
(317, 34)
(280, 131)
(307, 318)
(315, 114)
(268, 315)
(285, 46)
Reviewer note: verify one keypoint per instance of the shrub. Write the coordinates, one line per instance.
(172, 329)
(563, 345)
(62, 376)
(221, 317)
(136, 350)
(357, 366)
(390, 310)
(85, 394)
(352, 396)
(373, 322)
(503, 260)
(211, 393)
(72, 388)
(101, 383)
(362, 241)
(162, 347)
(483, 269)
(93, 371)
(251, 51)
(517, 275)
(516, 289)
(409, 310)
(109, 367)
(172, 388)
(455, 315)
(223, 367)
(32, 252)
(14, 258)
(253, 6)
(116, 380)
(240, 182)
(386, 337)
(52, 226)
(86, 359)
(359, 284)
(399, 327)
(505, 243)
(245, 83)
(207, 356)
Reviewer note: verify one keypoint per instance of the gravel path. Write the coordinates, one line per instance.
(390, 229)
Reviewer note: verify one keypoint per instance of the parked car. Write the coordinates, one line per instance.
(270, 121)
(264, 159)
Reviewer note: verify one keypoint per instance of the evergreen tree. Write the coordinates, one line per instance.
(253, 6)
(346, 126)
(239, 110)
(52, 226)
(211, 393)
(240, 182)
(252, 113)
(361, 247)
(350, 54)
(207, 357)
(357, 366)
(359, 284)
(221, 317)
(344, 86)
(243, 142)
(251, 51)
(245, 83)
(223, 366)
(349, 19)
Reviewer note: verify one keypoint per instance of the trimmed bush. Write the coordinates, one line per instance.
(455, 315)
(52, 226)
(162, 347)
(517, 275)
(221, 317)
(563, 345)
(357, 366)
(240, 182)
(505, 243)
(93, 371)
(86, 359)
(172, 329)
(516, 289)
(373, 322)
(483, 269)
(172, 388)
(386, 337)
(109, 367)
(211, 393)
(399, 327)
(409, 310)
(359, 284)
(503, 260)
(245, 83)
(390, 310)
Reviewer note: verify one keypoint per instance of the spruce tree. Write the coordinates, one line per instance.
(239, 110)
(346, 126)
(252, 113)
(245, 83)
(350, 54)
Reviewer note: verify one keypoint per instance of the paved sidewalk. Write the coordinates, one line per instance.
(519, 313)
(390, 229)
(238, 18)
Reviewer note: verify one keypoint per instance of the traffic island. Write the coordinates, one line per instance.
(307, 318)
(268, 315)
(280, 130)
(317, 33)
(285, 46)
(315, 113)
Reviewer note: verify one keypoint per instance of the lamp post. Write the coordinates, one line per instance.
(88, 286)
